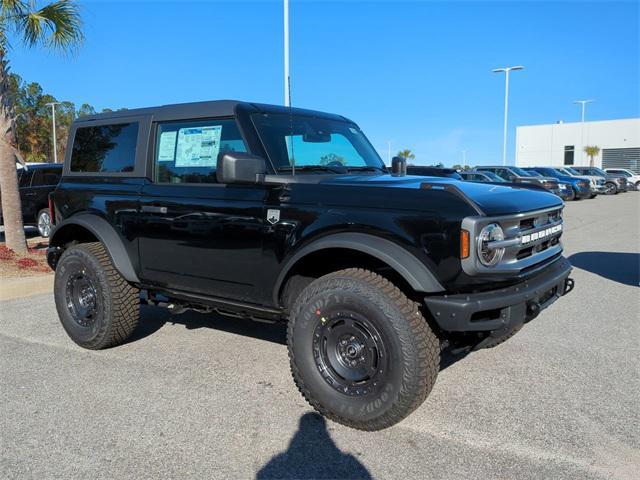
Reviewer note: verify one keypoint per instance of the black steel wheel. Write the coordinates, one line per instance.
(97, 307)
(350, 353)
(361, 352)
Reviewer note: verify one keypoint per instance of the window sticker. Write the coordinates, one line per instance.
(167, 147)
(198, 147)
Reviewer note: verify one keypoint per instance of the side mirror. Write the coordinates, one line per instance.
(398, 166)
(238, 167)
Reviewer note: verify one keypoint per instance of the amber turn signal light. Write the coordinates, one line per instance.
(464, 243)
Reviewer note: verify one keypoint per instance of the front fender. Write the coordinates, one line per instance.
(416, 274)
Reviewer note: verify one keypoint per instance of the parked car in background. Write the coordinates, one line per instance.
(598, 183)
(611, 180)
(35, 182)
(632, 177)
(581, 186)
(564, 192)
(431, 171)
(564, 188)
(518, 175)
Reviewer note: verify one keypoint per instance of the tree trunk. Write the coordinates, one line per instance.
(11, 205)
(591, 160)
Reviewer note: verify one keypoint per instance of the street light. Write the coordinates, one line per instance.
(53, 116)
(583, 103)
(506, 70)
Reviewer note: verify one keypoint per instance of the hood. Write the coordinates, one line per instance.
(489, 199)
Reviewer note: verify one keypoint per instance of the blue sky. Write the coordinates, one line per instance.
(416, 73)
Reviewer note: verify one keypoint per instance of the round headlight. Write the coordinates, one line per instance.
(490, 233)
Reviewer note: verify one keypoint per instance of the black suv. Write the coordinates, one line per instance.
(279, 214)
(36, 182)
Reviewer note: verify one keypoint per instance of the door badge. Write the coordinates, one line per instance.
(273, 216)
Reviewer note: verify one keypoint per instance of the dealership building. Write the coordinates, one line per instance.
(561, 143)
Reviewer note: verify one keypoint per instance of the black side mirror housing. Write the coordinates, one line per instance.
(239, 167)
(398, 166)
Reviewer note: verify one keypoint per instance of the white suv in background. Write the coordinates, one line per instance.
(631, 176)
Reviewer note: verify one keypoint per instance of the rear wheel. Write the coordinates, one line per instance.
(98, 308)
(361, 352)
(43, 222)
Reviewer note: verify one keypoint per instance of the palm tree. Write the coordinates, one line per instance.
(57, 26)
(406, 154)
(591, 151)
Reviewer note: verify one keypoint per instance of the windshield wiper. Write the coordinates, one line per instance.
(313, 168)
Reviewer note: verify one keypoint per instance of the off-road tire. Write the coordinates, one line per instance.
(117, 305)
(411, 346)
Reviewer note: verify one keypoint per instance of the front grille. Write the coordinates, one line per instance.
(529, 239)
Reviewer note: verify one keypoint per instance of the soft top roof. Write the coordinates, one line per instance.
(216, 108)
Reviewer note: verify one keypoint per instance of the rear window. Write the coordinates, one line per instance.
(45, 177)
(105, 148)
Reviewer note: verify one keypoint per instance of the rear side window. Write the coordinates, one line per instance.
(46, 177)
(187, 152)
(105, 148)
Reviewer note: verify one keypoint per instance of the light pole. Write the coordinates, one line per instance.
(464, 159)
(287, 78)
(583, 104)
(53, 117)
(506, 70)
(389, 152)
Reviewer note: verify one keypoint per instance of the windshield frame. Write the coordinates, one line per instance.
(372, 161)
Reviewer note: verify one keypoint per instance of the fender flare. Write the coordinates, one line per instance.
(417, 275)
(107, 235)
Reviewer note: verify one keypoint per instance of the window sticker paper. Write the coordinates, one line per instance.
(167, 147)
(198, 147)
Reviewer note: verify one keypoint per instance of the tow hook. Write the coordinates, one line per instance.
(568, 285)
(533, 309)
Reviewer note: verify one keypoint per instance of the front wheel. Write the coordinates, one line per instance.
(97, 307)
(610, 188)
(361, 352)
(43, 222)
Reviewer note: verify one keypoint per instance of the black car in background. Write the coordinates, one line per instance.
(492, 178)
(518, 175)
(35, 183)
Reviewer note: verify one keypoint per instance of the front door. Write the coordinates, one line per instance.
(195, 234)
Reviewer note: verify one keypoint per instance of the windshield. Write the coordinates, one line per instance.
(533, 173)
(493, 177)
(315, 144)
(597, 172)
(571, 171)
(520, 172)
(550, 172)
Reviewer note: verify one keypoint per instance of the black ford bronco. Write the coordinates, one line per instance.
(281, 214)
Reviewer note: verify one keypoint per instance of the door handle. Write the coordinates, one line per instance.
(153, 209)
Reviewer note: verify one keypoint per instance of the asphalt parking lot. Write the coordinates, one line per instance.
(195, 396)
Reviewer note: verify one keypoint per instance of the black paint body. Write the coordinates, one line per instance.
(214, 240)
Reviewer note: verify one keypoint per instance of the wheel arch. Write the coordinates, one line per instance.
(411, 270)
(89, 228)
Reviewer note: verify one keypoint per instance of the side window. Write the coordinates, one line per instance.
(187, 152)
(503, 173)
(25, 178)
(105, 148)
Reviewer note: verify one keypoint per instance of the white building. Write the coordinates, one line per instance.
(563, 144)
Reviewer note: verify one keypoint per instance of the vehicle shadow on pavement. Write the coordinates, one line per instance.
(617, 266)
(313, 454)
(153, 319)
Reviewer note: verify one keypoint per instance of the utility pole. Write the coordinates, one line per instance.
(53, 117)
(583, 104)
(287, 78)
(506, 70)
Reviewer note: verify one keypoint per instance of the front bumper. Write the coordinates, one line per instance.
(583, 192)
(497, 309)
